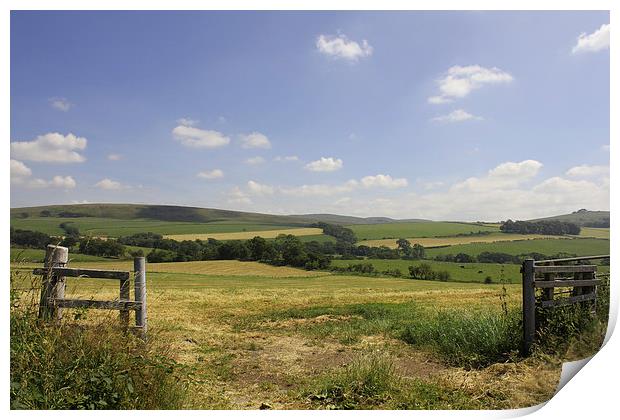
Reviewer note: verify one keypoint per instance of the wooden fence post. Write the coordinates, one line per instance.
(53, 286)
(139, 267)
(124, 296)
(529, 305)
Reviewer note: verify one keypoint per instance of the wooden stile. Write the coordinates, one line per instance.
(53, 286)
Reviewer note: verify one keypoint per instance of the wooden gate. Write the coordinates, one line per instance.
(576, 283)
(53, 287)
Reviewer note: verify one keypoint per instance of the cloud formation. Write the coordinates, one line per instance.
(286, 159)
(458, 115)
(199, 139)
(460, 81)
(108, 184)
(213, 174)
(596, 41)
(256, 160)
(587, 171)
(21, 175)
(255, 140)
(341, 47)
(50, 147)
(61, 104)
(324, 164)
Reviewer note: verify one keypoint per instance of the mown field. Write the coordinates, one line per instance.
(267, 234)
(287, 341)
(417, 230)
(457, 240)
(581, 246)
(459, 272)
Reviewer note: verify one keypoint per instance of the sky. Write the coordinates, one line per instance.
(437, 115)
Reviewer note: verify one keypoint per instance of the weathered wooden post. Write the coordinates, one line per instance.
(139, 267)
(53, 286)
(124, 296)
(529, 305)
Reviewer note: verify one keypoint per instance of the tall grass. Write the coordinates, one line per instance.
(467, 339)
(371, 381)
(85, 366)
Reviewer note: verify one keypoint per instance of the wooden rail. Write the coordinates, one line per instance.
(53, 287)
(579, 280)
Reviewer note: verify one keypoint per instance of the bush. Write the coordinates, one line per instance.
(488, 280)
(443, 275)
(422, 272)
(64, 366)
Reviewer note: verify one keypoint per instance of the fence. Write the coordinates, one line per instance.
(53, 287)
(559, 285)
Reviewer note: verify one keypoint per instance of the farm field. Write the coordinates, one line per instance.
(456, 240)
(459, 272)
(267, 234)
(602, 233)
(255, 340)
(582, 246)
(97, 226)
(417, 230)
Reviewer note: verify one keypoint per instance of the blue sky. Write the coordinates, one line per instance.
(442, 115)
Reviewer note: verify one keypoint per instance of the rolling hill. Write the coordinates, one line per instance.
(583, 218)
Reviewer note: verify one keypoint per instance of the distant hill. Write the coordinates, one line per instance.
(351, 220)
(583, 217)
(187, 214)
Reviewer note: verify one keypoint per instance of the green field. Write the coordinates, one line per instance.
(97, 226)
(459, 272)
(582, 247)
(25, 255)
(253, 340)
(417, 229)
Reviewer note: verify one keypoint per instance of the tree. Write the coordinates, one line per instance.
(418, 252)
(404, 246)
(257, 246)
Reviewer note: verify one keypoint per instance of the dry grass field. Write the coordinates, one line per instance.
(268, 336)
(267, 234)
(457, 240)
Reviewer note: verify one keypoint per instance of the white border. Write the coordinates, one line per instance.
(593, 394)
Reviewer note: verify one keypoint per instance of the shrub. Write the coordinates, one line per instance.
(488, 280)
(443, 275)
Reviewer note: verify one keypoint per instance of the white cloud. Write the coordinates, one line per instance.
(62, 182)
(605, 148)
(108, 184)
(286, 159)
(505, 175)
(237, 196)
(255, 140)
(457, 115)
(324, 165)
(431, 185)
(50, 147)
(460, 81)
(114, 156)
(214, 174)
(20, 175)
(19, 170)
(343, 48)
(383, 181)
(61, 104)
(320, 189)
(587, 171)
(596, 41)
(188, 122)
(196, 138)
(256, 160)
(260, 189)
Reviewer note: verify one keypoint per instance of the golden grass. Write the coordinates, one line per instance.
(457, 240)
(267, 234)
(602, 233)
(201, 316)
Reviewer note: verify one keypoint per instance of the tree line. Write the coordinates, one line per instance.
(543, 227)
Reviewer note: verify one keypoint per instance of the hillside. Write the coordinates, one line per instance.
(583, 217)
